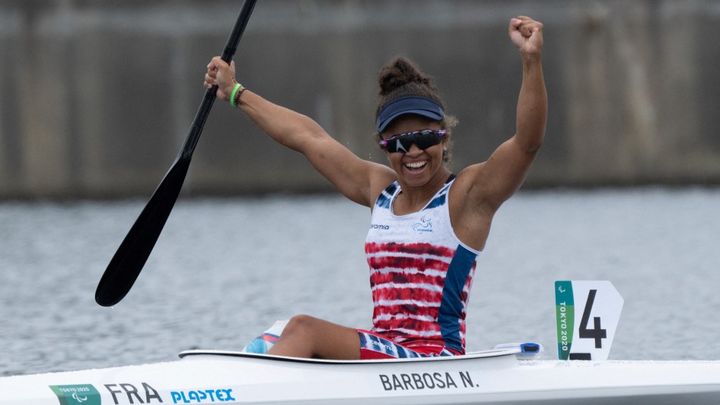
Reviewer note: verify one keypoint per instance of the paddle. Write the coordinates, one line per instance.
(135, 249)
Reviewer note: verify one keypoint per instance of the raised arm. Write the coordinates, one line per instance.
(359, 180)
(495, 180)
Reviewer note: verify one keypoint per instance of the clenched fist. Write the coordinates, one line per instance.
(526, 34)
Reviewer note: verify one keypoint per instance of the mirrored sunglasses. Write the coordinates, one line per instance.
(423, 139)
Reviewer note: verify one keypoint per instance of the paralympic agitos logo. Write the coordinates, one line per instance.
(76, 394)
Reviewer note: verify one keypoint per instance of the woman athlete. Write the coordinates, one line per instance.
(427, 225)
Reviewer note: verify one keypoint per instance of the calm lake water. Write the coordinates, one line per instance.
(225, 269)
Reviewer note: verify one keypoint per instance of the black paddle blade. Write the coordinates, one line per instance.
(135, 249)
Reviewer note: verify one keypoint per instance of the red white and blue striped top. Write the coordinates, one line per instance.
(420, 273)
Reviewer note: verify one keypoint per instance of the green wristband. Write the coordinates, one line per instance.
(237, 88)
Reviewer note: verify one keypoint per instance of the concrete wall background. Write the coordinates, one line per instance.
(98, 95)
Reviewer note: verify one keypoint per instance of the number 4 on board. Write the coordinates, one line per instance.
(597, 333)
(578, 337)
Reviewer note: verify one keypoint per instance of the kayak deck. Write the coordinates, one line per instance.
(493, 376)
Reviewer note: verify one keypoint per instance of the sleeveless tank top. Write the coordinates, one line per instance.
(420, 273)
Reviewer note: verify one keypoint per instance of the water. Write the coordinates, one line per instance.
(225, 269)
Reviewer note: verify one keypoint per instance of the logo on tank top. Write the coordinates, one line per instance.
(425, 225)
(381, 227)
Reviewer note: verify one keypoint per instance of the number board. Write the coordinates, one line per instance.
(587, 315)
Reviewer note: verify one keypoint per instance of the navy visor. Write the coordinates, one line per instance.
(423, 106)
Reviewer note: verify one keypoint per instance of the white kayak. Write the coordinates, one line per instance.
(492, 376)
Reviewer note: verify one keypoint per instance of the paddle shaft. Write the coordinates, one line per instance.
(129, 259)
(207, 102)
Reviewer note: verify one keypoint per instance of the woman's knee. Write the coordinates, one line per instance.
(300, 324)
(312, 337)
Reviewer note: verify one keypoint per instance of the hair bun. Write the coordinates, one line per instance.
(398, 73)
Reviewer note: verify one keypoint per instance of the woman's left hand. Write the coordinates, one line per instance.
(220, 74)
(526, 34)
